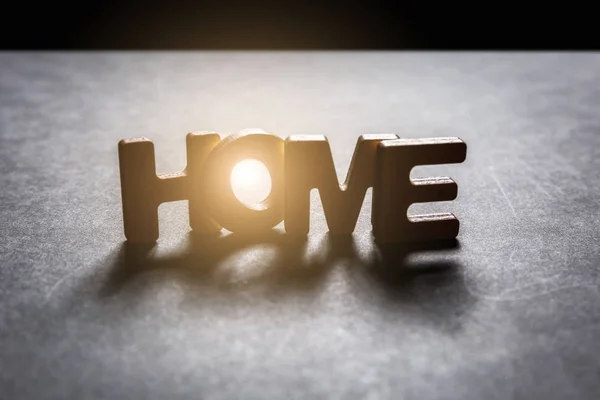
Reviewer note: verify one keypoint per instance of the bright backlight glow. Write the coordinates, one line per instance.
(250, 182)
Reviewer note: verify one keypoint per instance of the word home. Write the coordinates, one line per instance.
(297, 165)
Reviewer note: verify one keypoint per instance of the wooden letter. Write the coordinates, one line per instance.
(309, 164)
(223, 206)
(198, 147)
(394, 191)
(142, 191)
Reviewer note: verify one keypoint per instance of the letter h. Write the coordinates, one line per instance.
(142, 190)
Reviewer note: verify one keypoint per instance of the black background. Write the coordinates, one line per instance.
(130, 24)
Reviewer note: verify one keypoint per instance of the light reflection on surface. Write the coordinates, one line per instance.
(250, 182)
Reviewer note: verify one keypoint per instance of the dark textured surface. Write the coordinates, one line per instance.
(510, 312)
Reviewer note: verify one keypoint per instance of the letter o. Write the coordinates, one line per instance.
(223, 206)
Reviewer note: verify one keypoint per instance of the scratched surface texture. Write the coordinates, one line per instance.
(511, 310)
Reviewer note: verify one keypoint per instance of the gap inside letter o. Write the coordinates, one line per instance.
(224, 207)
